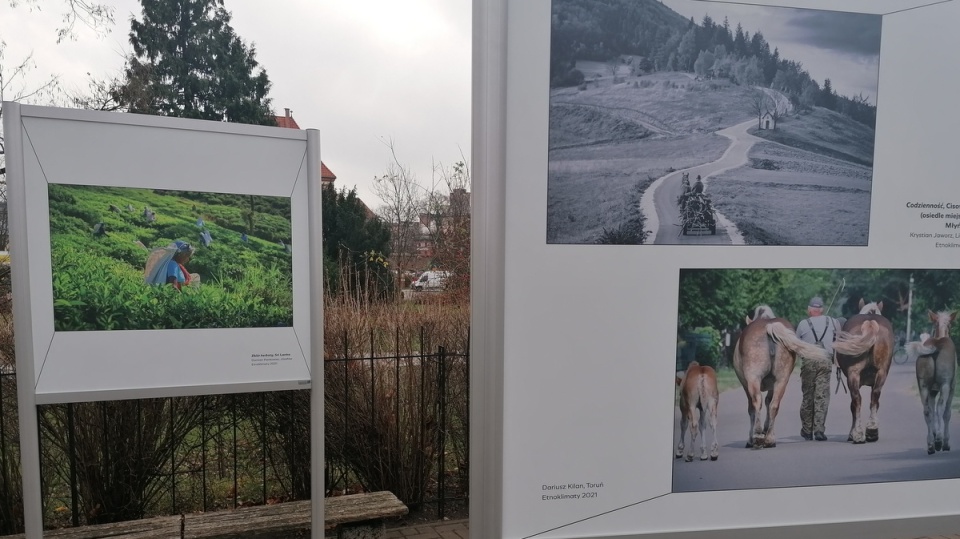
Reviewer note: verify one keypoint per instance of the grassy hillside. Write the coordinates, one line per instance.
(667, 104)
(576, 125)
(825, 132)
(99, 279)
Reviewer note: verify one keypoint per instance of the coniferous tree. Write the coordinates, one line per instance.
(188, 62)
(827, 98)
(355, 245)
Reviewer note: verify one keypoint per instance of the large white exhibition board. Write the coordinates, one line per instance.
(64, 156)
(590, 332)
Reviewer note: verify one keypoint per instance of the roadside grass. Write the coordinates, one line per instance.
(794, 210)
(592, 188)
(727, 380)
(773, 156)
(825, 132)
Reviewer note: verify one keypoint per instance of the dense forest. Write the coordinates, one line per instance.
(649, 37)
(720, 298)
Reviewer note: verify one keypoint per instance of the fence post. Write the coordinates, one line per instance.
(263, 436)
(421, 480)
(7, 495)
(72, 450)
(233, 412)
(173, 459)
(396, 395)
(466, 428)
(373, 385)
(441, 434)
(203, 451)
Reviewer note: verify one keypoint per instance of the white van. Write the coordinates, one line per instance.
(431, 281)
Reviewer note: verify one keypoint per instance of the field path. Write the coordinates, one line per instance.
(659, 201)
(900, 455)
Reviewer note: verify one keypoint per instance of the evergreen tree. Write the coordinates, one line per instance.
(740, 42)
(828, 99)
(355, 244)
(188, 62)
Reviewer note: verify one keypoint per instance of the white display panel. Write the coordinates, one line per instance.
(589, 331)
(139, 154)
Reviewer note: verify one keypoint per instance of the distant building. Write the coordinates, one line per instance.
(327, 177)
(766, 121)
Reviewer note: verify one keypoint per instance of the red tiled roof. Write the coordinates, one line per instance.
(326, 174)
(287, 121)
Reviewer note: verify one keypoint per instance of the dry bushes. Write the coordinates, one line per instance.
(397, 418)
(11, 497)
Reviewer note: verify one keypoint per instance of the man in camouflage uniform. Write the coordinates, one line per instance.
(815, 374)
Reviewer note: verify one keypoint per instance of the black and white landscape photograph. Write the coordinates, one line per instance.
(691, 122)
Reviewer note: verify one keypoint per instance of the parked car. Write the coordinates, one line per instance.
(431, 281)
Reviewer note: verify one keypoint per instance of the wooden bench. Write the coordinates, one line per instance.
(360, 516)
(356, 516)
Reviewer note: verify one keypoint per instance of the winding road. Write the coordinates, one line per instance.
(899, 455)
(659, 202)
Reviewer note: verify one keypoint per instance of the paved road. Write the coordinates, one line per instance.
(899, 455)
(663, 201)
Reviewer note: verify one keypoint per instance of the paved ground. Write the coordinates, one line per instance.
(899, 455)
(667, 189)
(450, 529)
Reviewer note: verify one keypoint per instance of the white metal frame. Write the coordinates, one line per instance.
(126, 150)
(504, 152)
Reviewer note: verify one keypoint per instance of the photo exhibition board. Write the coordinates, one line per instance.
(590, 343)
(177, 162)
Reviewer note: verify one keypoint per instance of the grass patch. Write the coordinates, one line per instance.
(791, 209)
(591, 188)
(727, 379)
(825, 132)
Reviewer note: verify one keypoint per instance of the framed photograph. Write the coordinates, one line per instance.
(160, 257)
(744, 334)
(690, 122)
(579, 342)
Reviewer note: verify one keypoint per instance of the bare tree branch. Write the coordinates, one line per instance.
(95, 16)
(403, 202)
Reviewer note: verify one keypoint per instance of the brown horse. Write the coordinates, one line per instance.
(936, 358)
(698, 391)
(763, 359)
(864, 349)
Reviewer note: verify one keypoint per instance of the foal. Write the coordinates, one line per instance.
(936, 359)
(698, 391)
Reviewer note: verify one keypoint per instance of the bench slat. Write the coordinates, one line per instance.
(359, 507)
(248, 522)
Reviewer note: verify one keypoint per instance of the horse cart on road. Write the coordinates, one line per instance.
(697, 216)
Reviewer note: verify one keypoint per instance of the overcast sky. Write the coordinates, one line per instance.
(360, 71)
(844, 47)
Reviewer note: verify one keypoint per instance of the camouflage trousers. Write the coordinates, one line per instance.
(815, 384)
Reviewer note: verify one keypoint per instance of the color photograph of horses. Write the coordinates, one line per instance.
(690, 122)
(813, 377)
(127, 258)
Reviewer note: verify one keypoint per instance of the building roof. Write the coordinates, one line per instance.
(287, 121)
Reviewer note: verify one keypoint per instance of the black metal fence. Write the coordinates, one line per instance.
(393, 422)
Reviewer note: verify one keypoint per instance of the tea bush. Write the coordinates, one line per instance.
(98, 282)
